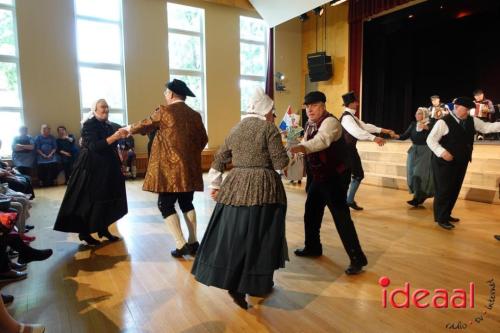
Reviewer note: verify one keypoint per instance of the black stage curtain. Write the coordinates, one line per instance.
(425, 50)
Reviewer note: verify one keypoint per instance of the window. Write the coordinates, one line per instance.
(99, 42)
(253, 57)
(10, 83)
(186, 51)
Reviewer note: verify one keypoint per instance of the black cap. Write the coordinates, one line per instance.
(349, 98)
(314, 97)
(464, 101)
(179, 87)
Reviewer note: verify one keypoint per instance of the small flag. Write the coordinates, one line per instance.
(287, 119)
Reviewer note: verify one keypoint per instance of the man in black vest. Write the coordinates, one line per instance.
(329, 176)
(451, 140)
(355, 129)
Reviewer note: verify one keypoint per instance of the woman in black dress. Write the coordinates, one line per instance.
(95, 197)
(418, 164)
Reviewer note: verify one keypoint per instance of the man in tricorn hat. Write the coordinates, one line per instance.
(328, 173)
(451, 140)
(174, 167)
(354, 130)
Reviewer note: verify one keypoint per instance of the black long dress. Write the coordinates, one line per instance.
(95, 196)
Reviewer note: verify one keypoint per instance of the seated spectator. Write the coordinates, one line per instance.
(47, 164)
(127, 157)
(67, 150)
(23, 152)
(15, 180)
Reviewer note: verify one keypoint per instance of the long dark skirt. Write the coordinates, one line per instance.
(242, 247)
(419, 172)
(95, 196)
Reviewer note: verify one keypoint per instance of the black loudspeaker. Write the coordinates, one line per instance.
(319, 66)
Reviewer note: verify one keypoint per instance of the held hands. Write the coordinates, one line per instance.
(447, 156)
(379, 141)
(298, 149)
(213, 193)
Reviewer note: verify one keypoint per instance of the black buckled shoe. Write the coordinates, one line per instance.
(193, 248)
(354, 206)
(7, 299)
(357, 264)
(239, 299)
(34, 255)
(18, 267)
(106, 234)
(87, 238)
(179, 253)
(12, 275)
(413, 203)
(453, 219)
(308, 252)
(446, 225)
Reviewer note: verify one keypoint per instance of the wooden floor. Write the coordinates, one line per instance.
(136, 286)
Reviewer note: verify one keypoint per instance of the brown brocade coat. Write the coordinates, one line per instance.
(175, 161)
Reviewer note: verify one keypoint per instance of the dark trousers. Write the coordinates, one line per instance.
(332, 194)
(167, 200)
(25, 170)
(448, 179)
(47, 173)
(4, 258)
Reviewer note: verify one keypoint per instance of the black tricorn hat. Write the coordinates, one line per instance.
(179, 87)
(465, 101)
(349, 98)
(314, 97)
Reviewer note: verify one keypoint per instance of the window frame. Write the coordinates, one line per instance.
(101, 65)
(255, 78)
(13, 59)
(185, 72)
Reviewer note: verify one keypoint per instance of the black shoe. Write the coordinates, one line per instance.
(413, 203)
(193, 248)
(453, 219)
(7, 299)
(34, 255)
(29, 227)
(354, 206)
(179, 253)
(18, 267)
(89, 239)
(239, 299)
(13, 254)
(105, 233)
(357, 263)
(12, 275)
(446, 225)
(306, 252)
(497, 237)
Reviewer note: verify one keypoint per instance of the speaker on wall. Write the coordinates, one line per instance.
(319, 66)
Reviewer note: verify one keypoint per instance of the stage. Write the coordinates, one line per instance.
(136, 286)
(437, 47)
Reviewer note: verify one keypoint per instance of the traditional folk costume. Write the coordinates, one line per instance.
(354, 130)
(418, 162)
(174, 167)
(327, 164)
(96, 196)
(245, 239)
(457, 137)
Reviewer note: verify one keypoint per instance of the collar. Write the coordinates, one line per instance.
(455, 117)
(351, 111)
(178, 101)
